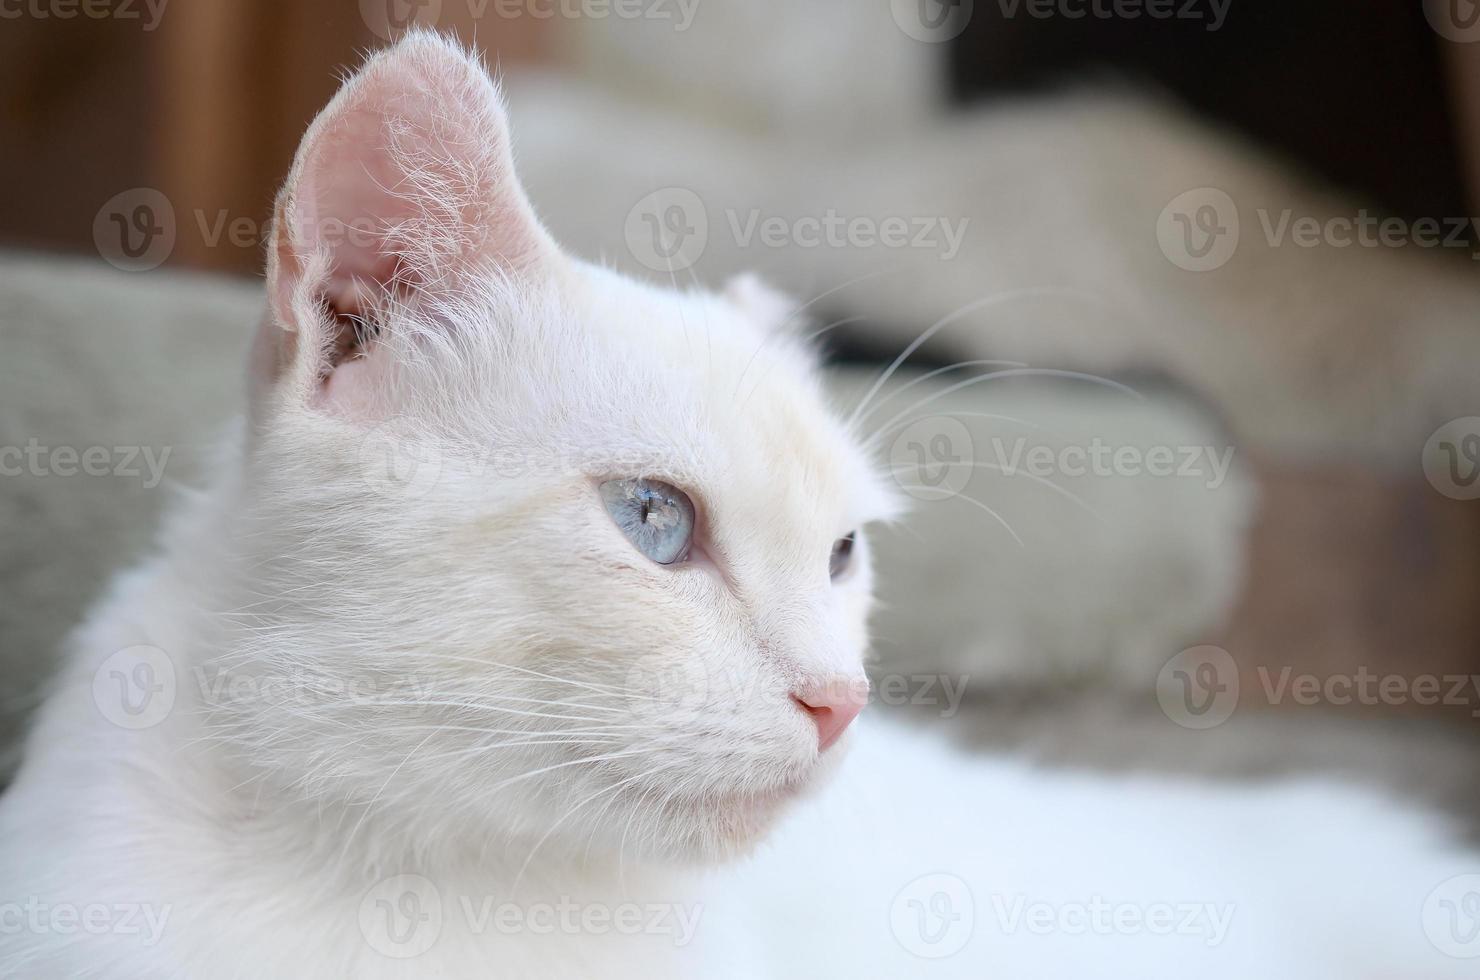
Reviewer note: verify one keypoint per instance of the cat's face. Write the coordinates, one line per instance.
(565, 556)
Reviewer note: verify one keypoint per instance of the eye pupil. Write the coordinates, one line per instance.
(842, 554)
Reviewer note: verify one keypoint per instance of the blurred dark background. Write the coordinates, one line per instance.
(1378, 104)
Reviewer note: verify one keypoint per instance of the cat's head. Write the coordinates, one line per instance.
(539, 550)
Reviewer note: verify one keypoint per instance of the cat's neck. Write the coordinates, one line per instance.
(260, 881)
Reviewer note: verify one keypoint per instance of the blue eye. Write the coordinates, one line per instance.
(657, 517)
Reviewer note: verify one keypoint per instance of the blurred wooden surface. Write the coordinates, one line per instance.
(206, 105)
(1356, 571)
(1462, 67)
(75, 125)
(241, 82)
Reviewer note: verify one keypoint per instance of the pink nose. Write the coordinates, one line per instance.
(833, 705)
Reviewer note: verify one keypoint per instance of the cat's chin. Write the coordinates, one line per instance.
(724, 826)
(720, 829)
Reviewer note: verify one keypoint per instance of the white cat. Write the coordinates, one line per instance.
(555, 693)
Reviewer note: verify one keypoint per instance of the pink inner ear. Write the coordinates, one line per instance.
(351, 202)
(350, 390)
(354, 207)
(404, 185)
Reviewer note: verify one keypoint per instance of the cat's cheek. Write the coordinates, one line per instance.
(699, 562)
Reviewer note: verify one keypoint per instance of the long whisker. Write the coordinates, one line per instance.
(948, 493)
(988, 362)
(569, 762)
(371, 805)
(839, 287)
(606, 688)
(573, 810)
(882, 433)
(982, 465)
(1018, 372)
(474, 706)
(832, 326)
(484, 749)
(940, 325)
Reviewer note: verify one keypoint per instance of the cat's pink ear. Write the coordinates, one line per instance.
(402, 192)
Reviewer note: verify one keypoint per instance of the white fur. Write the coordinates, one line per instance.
(478, 681)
